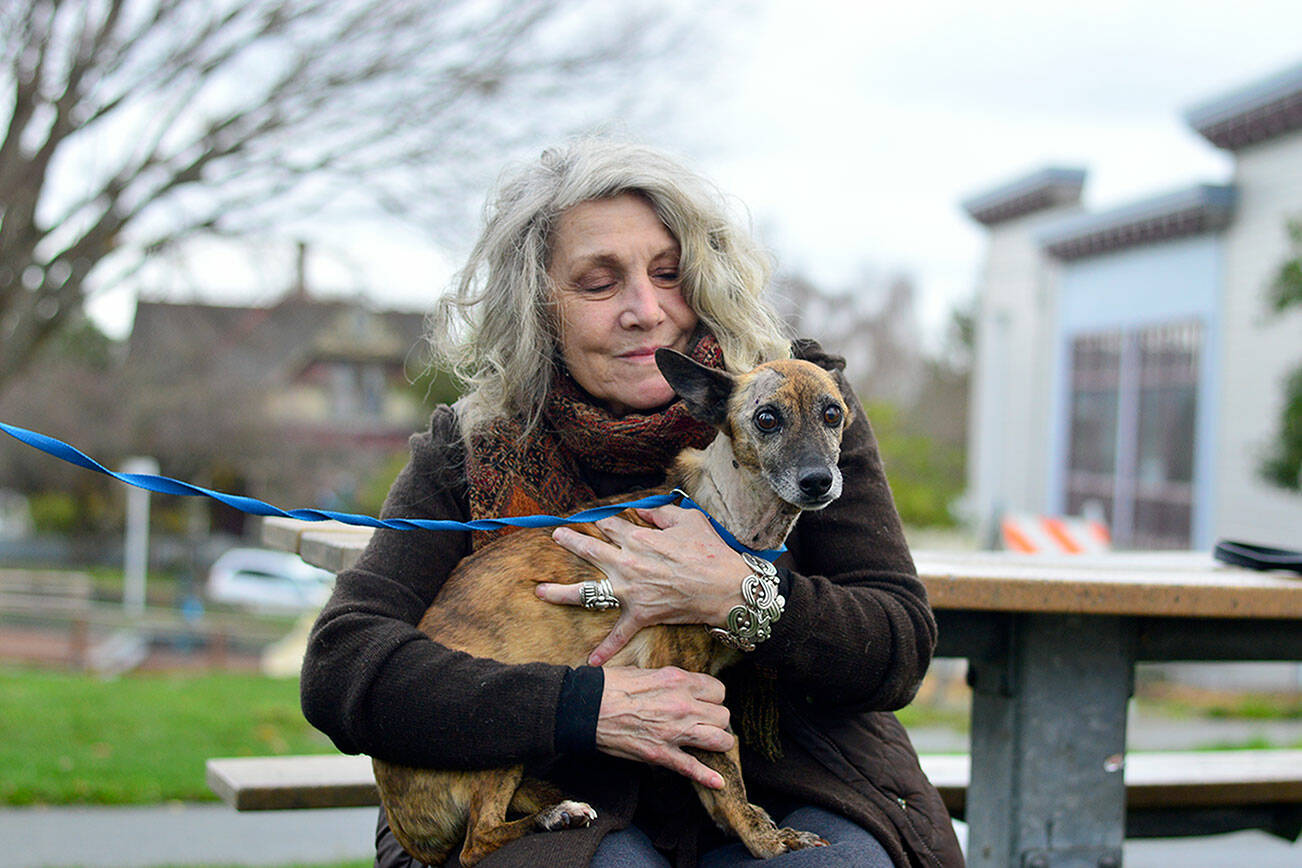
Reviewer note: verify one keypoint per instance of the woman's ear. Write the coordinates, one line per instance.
(704, 390)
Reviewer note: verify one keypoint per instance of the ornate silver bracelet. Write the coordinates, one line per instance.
(752, 622)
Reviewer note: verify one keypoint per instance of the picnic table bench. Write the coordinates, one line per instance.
(1051, 644)
(1189, 790)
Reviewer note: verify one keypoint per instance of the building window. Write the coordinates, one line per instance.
(1133, 408)
(357, 390)
(1164, 442)
(1092, 461)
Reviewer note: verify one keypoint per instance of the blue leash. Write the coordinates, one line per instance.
(252, 506)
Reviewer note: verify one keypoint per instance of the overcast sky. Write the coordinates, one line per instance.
(852, 131)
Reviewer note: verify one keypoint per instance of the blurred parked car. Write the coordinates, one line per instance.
(268, 580)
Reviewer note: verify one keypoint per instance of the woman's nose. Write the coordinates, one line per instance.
(641, 304)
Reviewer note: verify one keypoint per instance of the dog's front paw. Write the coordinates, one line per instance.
(794, 839)
(566, 815)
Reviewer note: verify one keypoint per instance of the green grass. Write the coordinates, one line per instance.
(361, 863)
(76, 739)
(921, 714)
(1189, 703)
(1258, 706)
(1257, 742)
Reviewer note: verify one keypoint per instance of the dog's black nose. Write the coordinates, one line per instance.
(815, 483)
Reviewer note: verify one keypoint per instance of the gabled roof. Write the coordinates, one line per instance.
(1204, 208)
(257, 344)
(1048, 188)
(1260, 111)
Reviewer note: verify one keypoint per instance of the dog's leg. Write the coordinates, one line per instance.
(548, 807)
(692, 648)
(533, 795)
(496, 791)
(426, 809)
(732, 811)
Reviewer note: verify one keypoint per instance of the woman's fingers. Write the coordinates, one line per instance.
(615, 527)
(676, 572)
(624, 630)
(590, 548)
(566, 595)
(663, 516)
(713, 738)
(691, 768)
(651, 715)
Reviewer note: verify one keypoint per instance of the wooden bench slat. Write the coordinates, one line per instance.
(281, 783)
(1175, 779)
(1181, 779)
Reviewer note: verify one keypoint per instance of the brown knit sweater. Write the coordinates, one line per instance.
(853, 643)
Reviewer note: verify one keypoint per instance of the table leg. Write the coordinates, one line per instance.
(1048, 744)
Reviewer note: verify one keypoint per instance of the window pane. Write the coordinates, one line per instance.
(1168, 398)
(1094, 432)
(1092, 453)
(1166, 428)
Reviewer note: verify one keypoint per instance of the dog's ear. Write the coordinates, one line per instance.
(704, 390)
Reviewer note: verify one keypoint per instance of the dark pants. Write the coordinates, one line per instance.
(851, 847)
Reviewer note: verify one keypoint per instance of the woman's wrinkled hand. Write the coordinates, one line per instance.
(650, 715)
(676, 572)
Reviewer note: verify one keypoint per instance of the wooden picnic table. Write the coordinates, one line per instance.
(1052, 644)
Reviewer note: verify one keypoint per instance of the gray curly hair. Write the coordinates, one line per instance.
(496, 329)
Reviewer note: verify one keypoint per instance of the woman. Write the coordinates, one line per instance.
(590, 260)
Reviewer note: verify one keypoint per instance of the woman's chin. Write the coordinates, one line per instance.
(643, 401)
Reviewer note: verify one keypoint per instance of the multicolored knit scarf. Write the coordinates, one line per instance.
(512, 475)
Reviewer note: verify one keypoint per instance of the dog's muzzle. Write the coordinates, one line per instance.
(598, 596)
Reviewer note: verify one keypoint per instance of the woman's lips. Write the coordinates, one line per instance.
(642, 354)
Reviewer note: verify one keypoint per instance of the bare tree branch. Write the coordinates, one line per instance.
(134, 125)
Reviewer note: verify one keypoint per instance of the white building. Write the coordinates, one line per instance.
(1127, 360)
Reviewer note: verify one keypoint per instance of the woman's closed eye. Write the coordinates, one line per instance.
(600, 284)
(665, 276)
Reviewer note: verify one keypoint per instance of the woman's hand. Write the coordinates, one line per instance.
(676, 572)
(650, 715)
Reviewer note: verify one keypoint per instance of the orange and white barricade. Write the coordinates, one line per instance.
(1053, 534)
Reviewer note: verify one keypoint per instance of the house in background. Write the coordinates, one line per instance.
(1008, 453)
(1127, 364)
(301, 402)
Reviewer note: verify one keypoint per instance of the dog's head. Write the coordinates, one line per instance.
(784, 418)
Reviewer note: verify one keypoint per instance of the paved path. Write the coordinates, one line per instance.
(181, 835)
(214, 834)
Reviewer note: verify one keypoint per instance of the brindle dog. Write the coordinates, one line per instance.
(780, 436)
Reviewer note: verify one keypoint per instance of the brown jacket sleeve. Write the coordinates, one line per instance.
(857, 632)
(376, 685)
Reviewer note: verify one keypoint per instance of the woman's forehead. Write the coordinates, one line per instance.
(605, 227)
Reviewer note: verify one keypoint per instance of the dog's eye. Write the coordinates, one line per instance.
(767, 419)
(832, 416)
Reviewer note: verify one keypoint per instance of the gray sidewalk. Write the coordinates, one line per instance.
(214, 834)
(190, 834)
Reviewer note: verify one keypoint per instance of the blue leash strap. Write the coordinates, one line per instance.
(735, 544)
(252, 506)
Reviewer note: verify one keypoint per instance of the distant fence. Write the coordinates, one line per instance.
(62, 602)
(165, 551)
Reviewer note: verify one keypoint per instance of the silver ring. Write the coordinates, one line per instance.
(598, 596)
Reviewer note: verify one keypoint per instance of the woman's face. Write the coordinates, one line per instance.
(615, 269)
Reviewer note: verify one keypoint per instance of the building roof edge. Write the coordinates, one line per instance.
(1256, 112)
(1046, 188)
(1192, 211)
